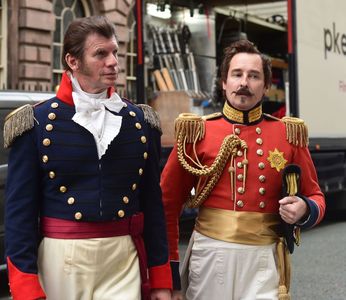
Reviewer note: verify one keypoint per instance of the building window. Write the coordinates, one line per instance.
(3, 44)
(65, 12)
(131, 59)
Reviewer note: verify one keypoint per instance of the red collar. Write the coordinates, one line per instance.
(65, 90)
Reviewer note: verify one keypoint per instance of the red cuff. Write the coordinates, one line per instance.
(160, 277)
(23, 285)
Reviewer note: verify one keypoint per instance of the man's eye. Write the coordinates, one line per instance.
(253, 76)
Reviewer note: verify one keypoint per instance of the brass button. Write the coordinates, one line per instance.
(140, 171)
(70, 200)
(145, 155)
(134, 186)
(262, 190)
(126, 199)
(143, 139)
(259, 141)
(258, 130)
(240, 153)
(237, 130)
(49, 127)
(78, 215)
(138, 126)
(46, 142)
(121, 213)
(259, 152)
(54, 105)
(262, 204)
(52, 116)
(240, 190)
(51, 174)
(261, 165)
(132, 113)
(262, 178)
(63, 189)
(45, 158)
(240, 203)
(240, 177)
(239, 164)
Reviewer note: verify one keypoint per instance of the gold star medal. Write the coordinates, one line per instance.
(277, 160)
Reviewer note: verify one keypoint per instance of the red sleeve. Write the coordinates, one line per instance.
(158, 277)
(24, 285)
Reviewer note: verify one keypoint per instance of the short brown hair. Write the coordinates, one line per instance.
(78, 31)
(245, 46)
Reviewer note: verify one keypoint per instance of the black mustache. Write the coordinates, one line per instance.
(243, 91)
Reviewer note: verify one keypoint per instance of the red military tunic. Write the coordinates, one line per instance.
(268, 153)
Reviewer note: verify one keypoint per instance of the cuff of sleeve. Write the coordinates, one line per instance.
(23, 285)
(160, 277)
(311, 219)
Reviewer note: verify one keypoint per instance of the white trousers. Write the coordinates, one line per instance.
(85, 269)
(228, 271)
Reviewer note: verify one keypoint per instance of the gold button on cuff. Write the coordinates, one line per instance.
(239, 164)
(121, 213)
(134, 186)
(258, 130)
(140, 171)
(240, 203)
(46, 142)
(138, 126)
(143, 139)
(54, 105)
(259, 152)
(240, 177)
(240, 190)
(237, 130)
(70, 200)
(145, 155)
(45, 158)
(52, 116)
(259, 141)
(261, 165)
(126, 199)
(51, 175)
(262, 191)
(49, 127)
(240, 153)
(262, 204)
(78, 215)
(63, 189)
(132, 113)
(262, 178)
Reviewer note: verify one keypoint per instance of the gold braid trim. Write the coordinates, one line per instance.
(296, 131)
(17, 122)
(190, 126)
(205, 185)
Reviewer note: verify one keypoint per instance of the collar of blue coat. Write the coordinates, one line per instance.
(248, 117)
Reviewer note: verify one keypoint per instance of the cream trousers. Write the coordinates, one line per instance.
(85, 269)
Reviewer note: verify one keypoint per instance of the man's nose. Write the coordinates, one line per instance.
(243, 80)
(112, 60)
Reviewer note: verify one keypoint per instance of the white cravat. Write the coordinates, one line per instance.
(91, 113)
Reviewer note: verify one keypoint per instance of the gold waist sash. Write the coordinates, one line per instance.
(250, 228)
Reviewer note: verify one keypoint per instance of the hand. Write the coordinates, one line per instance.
(177, 295)
(292, 209)
(161, 294)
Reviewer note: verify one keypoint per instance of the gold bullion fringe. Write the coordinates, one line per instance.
(151, 116)
(296, 131)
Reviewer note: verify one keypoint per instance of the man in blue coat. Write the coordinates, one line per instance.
(84, 217)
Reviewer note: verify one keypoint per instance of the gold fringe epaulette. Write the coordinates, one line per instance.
(296, 131)
(212, 116)
(151, 116)
(17, 122)
(190, 127)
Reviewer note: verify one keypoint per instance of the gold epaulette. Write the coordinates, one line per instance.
(151, 116)
(296, 131)
(212, 116)
(17, 122)
(189, 127)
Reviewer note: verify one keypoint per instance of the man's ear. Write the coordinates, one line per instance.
(72, 62)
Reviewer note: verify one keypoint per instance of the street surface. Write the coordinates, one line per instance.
(318, 265)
